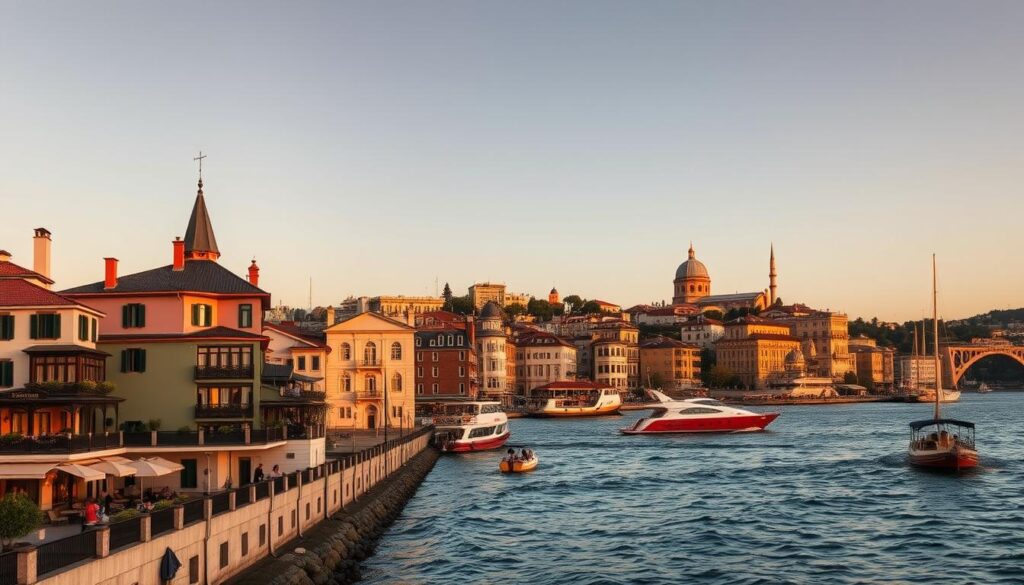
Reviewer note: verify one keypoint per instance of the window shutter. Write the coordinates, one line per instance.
(93, 330)
(208, 318)
(33, 324)
(7, 369)
(195, 314)
(126, 316)
(141, 365)
(56, 326)
(124, 360)
(141, 320)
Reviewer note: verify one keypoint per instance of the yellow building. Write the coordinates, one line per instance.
(512, 298)
(370, 373)
(828, 334)
(692, 286)
(482, 292)
(669, 363)
(399, 306)
(755, 349)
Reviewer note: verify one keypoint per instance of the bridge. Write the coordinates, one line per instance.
(957, 359)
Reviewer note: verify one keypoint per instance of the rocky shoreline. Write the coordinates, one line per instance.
(330, 553)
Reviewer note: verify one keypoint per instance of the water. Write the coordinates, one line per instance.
(824, 497)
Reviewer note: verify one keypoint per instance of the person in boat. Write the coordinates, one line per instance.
(511, 455)
(526, 456)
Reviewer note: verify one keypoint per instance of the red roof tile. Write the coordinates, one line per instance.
(21, 293)
(11, 270)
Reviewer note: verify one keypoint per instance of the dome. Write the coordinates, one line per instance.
(490, 311)
(692, 268)
(795, 361)
(554, 291)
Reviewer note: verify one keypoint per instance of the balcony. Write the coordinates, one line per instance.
(369, 363)
(223, 372)
(224, 410)
(15, 444)
(229, 437)
(370, 395)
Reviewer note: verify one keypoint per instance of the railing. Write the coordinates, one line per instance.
(195, 510)
(370, 363)
(307, 476)
(14, 444)
(125, 533)
(311, 395)
(242, 496)
(262, 490)
(232, 437)
(161, 521)
(293, 479)
(177, 438)
(223, 372)
(66, 551)
(8, 568)
(192, 438)
(370, 394)
(221, 503)
(224, 410)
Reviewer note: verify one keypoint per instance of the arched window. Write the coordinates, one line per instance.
(371, 383)
(346, 351)
(346, 383)
(691, 288)
(396, 351)
(396, 382)
(370, 353)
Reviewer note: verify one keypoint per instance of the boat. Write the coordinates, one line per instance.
(462, 427)
(519, 465)
(564, 399)
(697, 415)
(983, 388)
(947, 396)
(941, 443)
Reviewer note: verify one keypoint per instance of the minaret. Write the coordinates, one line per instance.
(771, 278)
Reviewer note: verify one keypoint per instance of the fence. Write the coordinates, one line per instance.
(366, 468)
(8, 568)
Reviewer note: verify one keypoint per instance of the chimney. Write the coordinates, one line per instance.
(179, 254)
(471, 330)
(254, 273)
(5, 256)
(110, 273)
(41, 252)
(330, 315)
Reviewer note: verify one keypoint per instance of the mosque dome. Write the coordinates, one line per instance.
(692, 267)
(490, 311)
(795, 360)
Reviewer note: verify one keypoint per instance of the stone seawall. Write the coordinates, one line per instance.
(330, 553)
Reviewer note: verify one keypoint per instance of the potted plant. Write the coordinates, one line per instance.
(18, 517)
(154, 424)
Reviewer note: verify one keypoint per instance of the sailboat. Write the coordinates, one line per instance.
(941, 443)
(946, 395)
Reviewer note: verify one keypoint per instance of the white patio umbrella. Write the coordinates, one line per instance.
(115, 466)
(154, 467)
(82, 471)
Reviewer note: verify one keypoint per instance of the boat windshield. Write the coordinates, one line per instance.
(708, 401)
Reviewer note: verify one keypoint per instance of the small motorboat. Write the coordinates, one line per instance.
(697, 415)
(943, 444)
(518, 465)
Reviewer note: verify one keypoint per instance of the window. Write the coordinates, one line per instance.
(346, 351)
(44, 326)
(371, 383)
(462, 388)
(223, 555)
(193, 569)
(189, 477)
(316, 363)
(224, 356)
(433, 356)
(6, 373)
(451, 340)
(133, 360)
(433, 388)
(263, 535)
(419, 371)
(133, 315)
(94, 335)
(302, 362)
(370, 353)
(433, 371)
(462, 356)
(396, 351)
(223, 395)
(83, 328)
(202, 315)
(6, 326)
(346, 383)
(419, 356)
(245, 315)
(245, 544)
(345, 412)
(419, 388)
(462, 371)
(396, 382)
(419, 342)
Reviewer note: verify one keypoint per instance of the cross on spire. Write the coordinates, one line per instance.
(200, 159)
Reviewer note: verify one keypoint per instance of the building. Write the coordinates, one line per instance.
(542, 357)
(493, 354)
(692, 286)
(607, 307)
(755, 349)
(482, 293)
(370, 373)
(915, 372)
(303, 351)
(512, 298)
(702, 331)
(553, 297)
(828, 333)
(398, 306)
(875, 366)
(446, 362)
(669, 364)
(664, 316)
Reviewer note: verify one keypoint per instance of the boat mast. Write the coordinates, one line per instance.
(935, 342)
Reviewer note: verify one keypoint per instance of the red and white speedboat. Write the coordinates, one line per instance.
(470, 426)
(698, 415)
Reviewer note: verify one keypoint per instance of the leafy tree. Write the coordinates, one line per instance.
(573, 303)
(540, 309)
(778, 303)
(18, 516)
(655, 380)
(590, 307)
(720, 377)
(462, 305)
(318, 314)
(299, 315)
(514, 310)
(447, 294)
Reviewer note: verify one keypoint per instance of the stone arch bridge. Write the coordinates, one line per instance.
(957, 359)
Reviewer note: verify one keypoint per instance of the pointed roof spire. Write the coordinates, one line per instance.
(692, 253)
(200, 243)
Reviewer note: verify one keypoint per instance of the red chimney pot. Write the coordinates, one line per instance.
(110, 273)
(254, 273)
(179, 254)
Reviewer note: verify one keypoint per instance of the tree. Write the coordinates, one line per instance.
(462, 305)
(590, 307)
(713, 314)
(18, 516)
(318, 314)
(447, 294)
(655, 380)
(514, 310)
(572, 303)
(299, 315)
(540, 309)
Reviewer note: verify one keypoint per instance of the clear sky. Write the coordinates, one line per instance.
(376, 146)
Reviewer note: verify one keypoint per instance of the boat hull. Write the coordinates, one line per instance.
(575, 411)
(484, 444)
(956, 459)
(730, 424)
(518, 466)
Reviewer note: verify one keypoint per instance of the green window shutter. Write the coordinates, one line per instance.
(126, 319)
(33, 326)
(195, 314)
(56, 326)
(124, 360)
(142, 316)
(141, 362)
(6, 373)
(93, 337)
(209, 316)
(83, 328)
(241, 316)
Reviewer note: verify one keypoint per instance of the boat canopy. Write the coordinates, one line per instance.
(941, 421)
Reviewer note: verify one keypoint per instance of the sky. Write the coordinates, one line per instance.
(379, 147)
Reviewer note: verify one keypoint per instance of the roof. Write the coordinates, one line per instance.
(211, 333)
(491, 310)
(715, 299)
(948, 421)
(199, 235)
(290, 329)
(21, 293)
(692, 268)
(197, 276)
(773, 337)
(541, 338)
(605, 303)
(65, 348)
(665, 343)
(9, 269)
(281, 372)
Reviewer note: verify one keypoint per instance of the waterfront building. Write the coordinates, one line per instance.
(482, 293)
(541, 358)
(492, 341)
(512, 298)
(692, 286)
(446, 362)
(370, 373)
(827, 332)
(875, 366)
(665, 316)
(398, 306)
(702, 331)
(305, 352)
(755, 349)
(669, 364)
(915, 372)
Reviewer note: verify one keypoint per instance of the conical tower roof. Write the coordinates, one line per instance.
(199, 238)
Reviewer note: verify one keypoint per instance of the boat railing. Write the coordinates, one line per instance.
(454, 420)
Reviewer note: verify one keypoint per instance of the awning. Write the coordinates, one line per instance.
(155, 467)
(116, 466)
(24, 470)
(86, 473)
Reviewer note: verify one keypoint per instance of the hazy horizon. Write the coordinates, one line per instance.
(378, 146)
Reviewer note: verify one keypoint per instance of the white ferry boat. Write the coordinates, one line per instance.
(573, 399)
(470, 426)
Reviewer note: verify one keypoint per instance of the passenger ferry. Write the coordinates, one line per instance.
(469, 426)
(573, 399)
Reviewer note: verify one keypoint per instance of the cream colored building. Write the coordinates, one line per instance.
(542, 358)
(492, 354)
(399, 306)
(304, 352)
(483, 292)
(512, 298)
(829, 335)
(675, 364)
(371, 356)
(755, 349)
(702, 331)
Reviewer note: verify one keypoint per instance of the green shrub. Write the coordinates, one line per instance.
(18, 516)
(125, 515)
(154, 424)
(162, 505)
(225, 429)
(86, 386)
(11, 439)
(105, 387)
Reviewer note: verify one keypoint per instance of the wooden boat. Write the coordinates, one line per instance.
(518, 466)
(938, 443)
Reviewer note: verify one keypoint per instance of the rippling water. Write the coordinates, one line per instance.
(824, 497)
